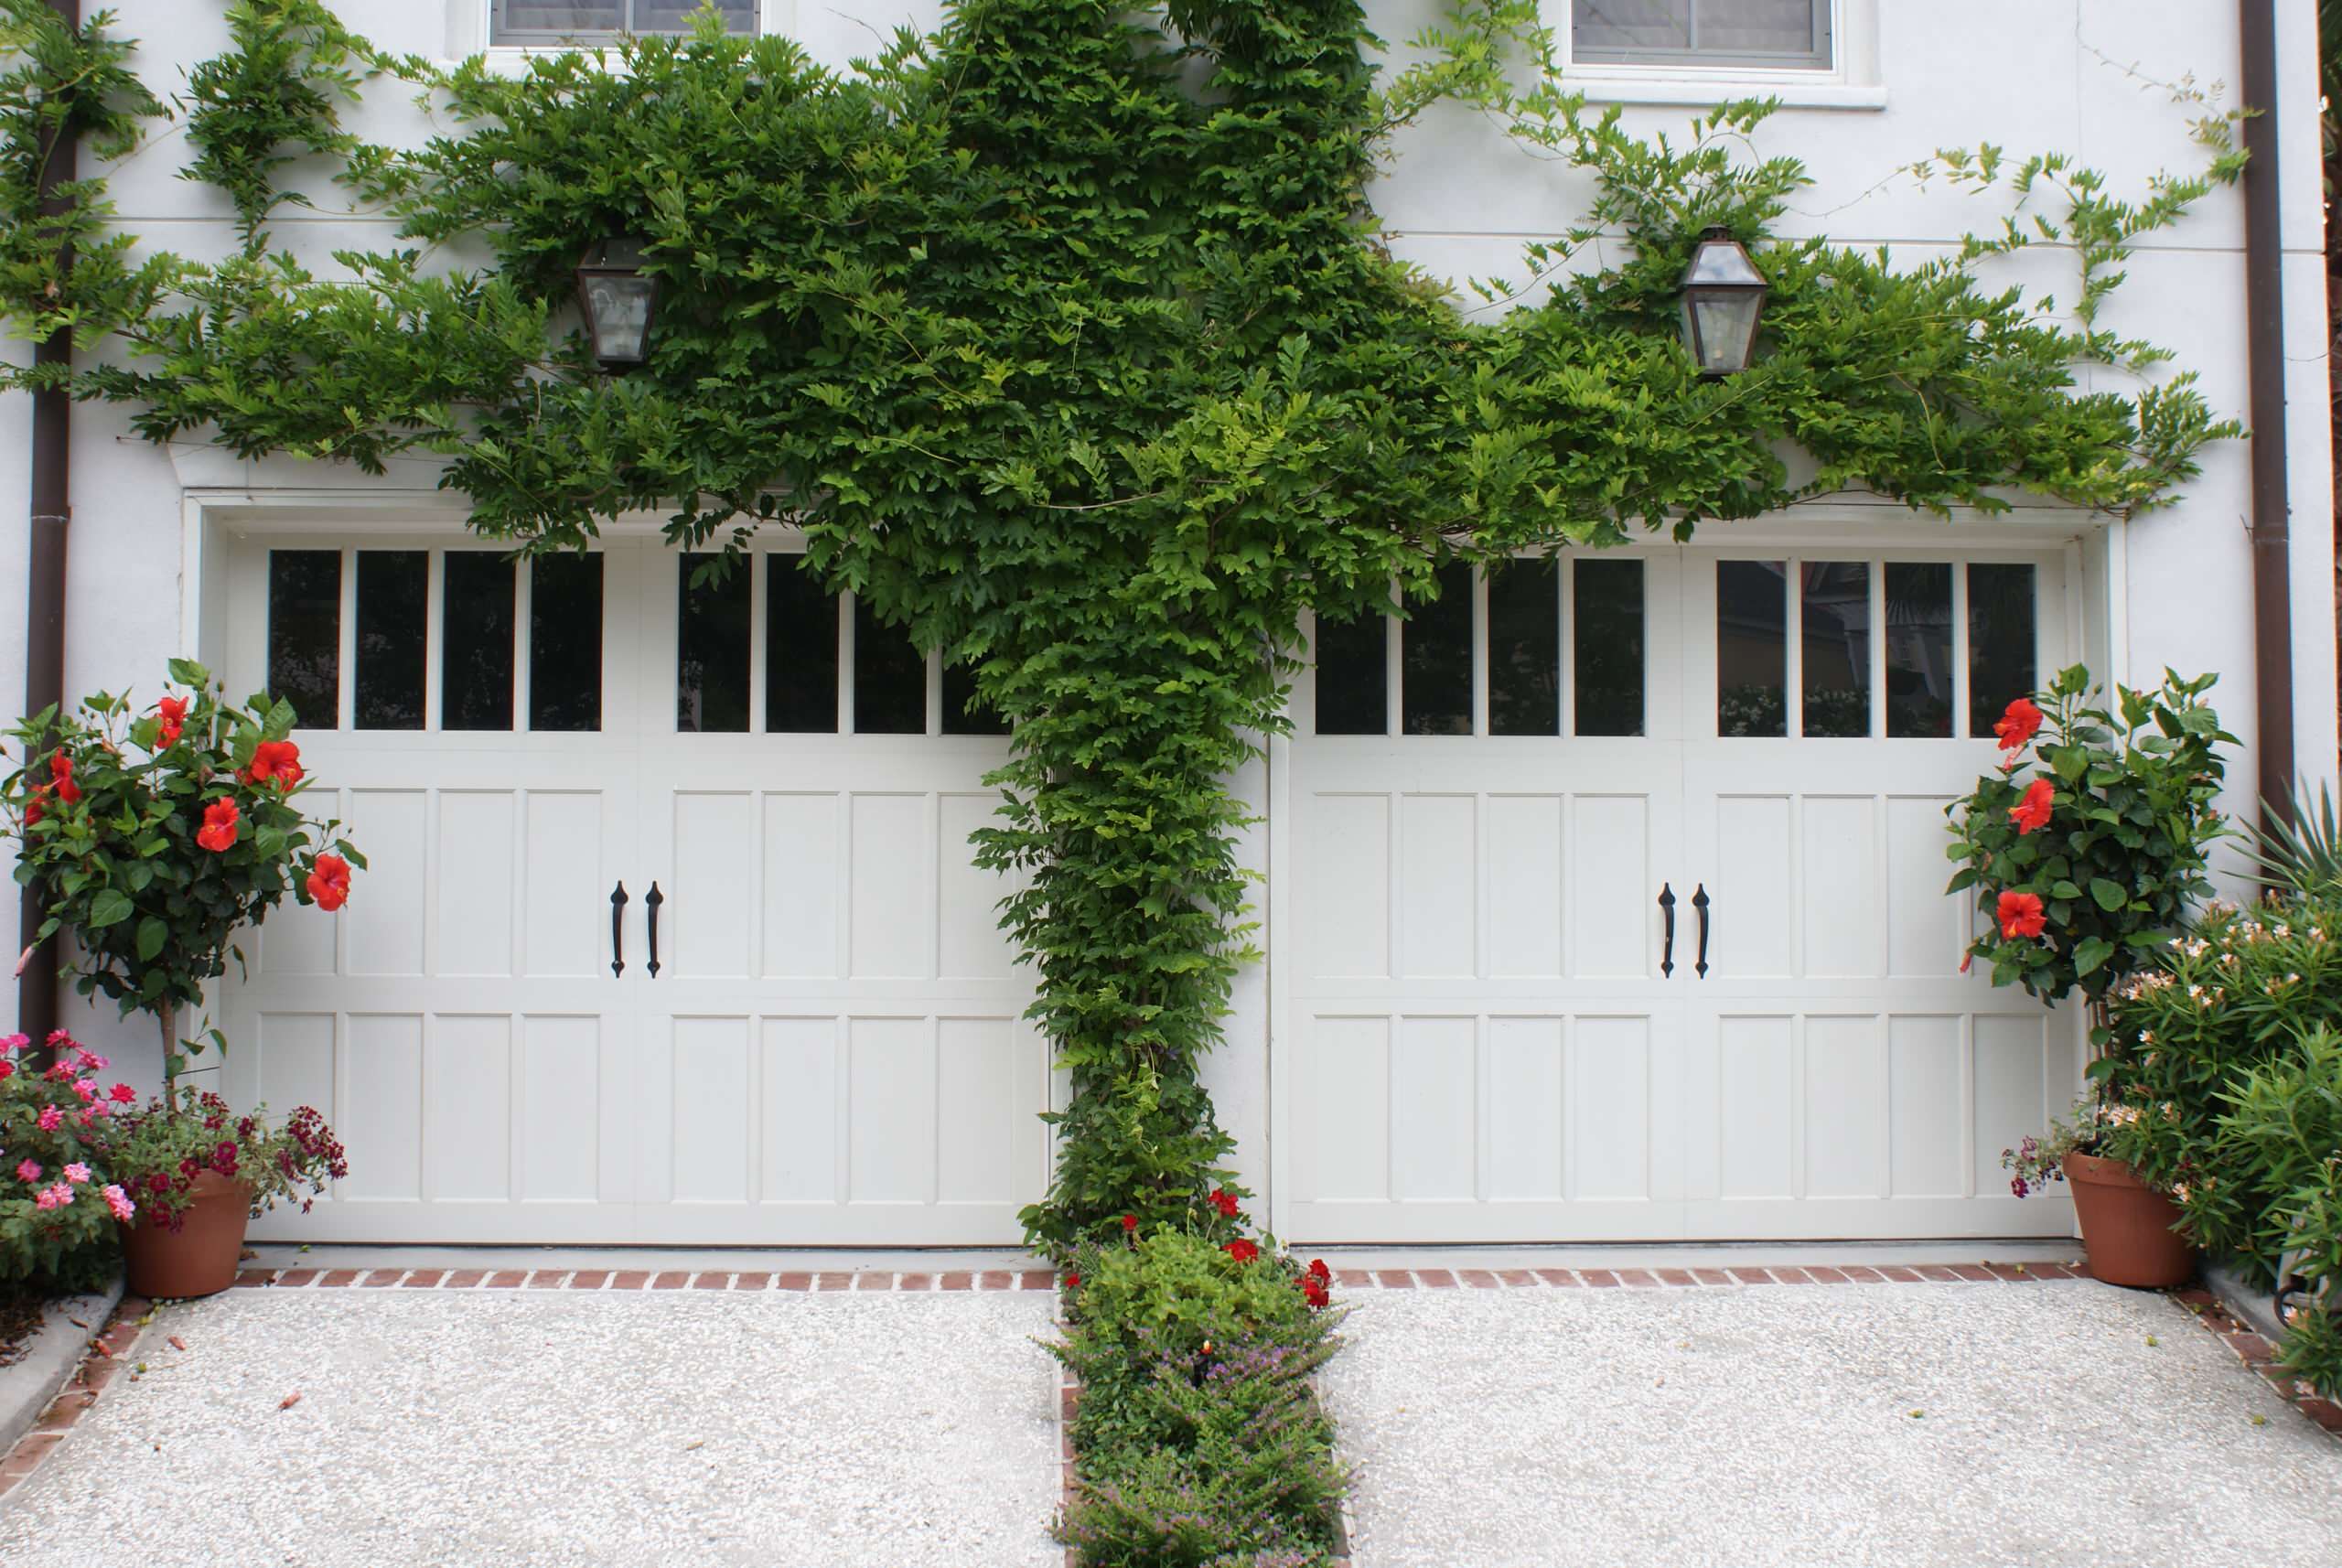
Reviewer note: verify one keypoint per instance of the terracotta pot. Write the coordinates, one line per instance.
(200, 1257)
(2127, 1225)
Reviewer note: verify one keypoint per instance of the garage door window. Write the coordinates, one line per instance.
(430, 628)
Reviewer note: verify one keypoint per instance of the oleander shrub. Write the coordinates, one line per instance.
(1197, 1442)
(59, 1200)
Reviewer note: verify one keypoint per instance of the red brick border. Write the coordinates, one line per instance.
(108, 1354)
(1677, 1279)
(2259, 1355)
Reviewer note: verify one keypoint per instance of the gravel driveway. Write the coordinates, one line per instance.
(2051, 1423)
(551, 1428)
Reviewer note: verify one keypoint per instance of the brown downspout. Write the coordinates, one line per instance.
(2264, 281)
(52, 510)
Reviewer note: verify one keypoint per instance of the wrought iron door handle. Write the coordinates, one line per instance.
(617, 930)
(651, 901)
(1700, 902)
(1667, 939)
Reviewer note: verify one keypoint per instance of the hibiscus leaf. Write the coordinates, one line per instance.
(2062, 889)
(2090, 954)
(110, 907)
(151, 934)
(2111, 896)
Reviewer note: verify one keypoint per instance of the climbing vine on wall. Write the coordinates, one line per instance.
(1065, 337)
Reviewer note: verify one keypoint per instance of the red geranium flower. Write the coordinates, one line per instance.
(2018, 724)
(1243, 1251)
(276, 762)
(1224, 1201)
(218, 830)
(1130, 1223)
(1318, 1270)
(60, 768)
(2033, 811)
(170, 721)
(1073, 1281)
(122, 1094)
(329, 882)
(2020, 916)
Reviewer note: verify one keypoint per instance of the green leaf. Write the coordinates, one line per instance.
(2111, 896)
(2064, 889)
(151, 934)
(2091, 955)
(109, 906)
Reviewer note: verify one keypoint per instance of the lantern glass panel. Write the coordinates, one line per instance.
(618, 307)
(1724, 328)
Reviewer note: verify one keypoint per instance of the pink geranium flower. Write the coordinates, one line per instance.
(85, 1090)
(51, 1118)
(28, 1170)
(119, 1201)
(77, 1172)
(55, 1197)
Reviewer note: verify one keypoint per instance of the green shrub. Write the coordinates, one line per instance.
(1198, 1443)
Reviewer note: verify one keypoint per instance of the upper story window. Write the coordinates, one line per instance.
(528, 24)
(1765, 35)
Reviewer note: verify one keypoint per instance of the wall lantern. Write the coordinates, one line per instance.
(1724, 293)
(618, 298)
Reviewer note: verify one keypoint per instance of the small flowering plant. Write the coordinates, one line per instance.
(2090, 1129)
(154, 836)
(59, 1200)
(2089, 848)
(157, 1151)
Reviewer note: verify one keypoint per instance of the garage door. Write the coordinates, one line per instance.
(1615, 905)
(671, 933)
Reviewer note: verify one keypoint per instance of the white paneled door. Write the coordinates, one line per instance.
(1613, 906)
(671, 933)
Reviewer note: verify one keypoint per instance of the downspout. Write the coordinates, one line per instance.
(2264, 281)
(51, 511)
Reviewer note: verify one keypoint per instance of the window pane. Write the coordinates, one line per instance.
(476, 616)
(559, 16)
(1435, 658)
(674, 16)
(1353, 681)
(1525, 649)
(800, 650)
(394, 586)
(1631, 25)
(1607, 607)
(1919, 650)
(1752, 647)
(711, 645)
(1756, 27)
(1835, 629)
(2000, 641)
(964, 711)
(565, 643)
(889, 678)
(304, 634)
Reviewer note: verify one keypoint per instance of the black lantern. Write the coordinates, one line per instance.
(618, 298)
(1724, 293)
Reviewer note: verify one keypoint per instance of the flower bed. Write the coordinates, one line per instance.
(1196, 1439)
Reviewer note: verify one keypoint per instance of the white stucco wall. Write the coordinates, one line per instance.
(1459, 199)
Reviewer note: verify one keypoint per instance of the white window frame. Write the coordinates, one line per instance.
(1852, 80)
(471, 29)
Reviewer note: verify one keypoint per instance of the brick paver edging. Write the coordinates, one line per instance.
(109, 1353)
(1651, 1279)
(2261, 1355)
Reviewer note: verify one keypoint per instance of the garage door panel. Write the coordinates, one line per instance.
(1525, 886)
(1839, 892)
(1753, 896)
(708, 921)
(565, 884)
(890, 885)
(1610, 859)
(1438, 887)
(386, 924)
(1844, 1118)
(1346, 1091)
(378, 1110)
(710, 1109)
(1613, 1062)
(1925, 926)
(468, 1108)
(477, 876)
(2015, 1059)
(982, 1073)
(1928, 1107)
(1344, 889)
(891, 1110)
(799, 896)
(1434, 1075)
(801, 1110)
(970, 943)
(563, 1138)
(1528, 1064)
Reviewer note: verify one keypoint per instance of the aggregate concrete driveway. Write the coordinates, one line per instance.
(545, 1429)
(2058, 1424)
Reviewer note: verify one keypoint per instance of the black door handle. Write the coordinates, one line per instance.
(617, 930)
(1700, 902)
(1667, 940)
(651, 901)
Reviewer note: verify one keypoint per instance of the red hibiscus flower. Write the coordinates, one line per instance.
(2018, 724)
(1130, 1223)
(2020, 916)
(218, 830)
(36, 807)
(2033, 811)
(60, 768)
(329, 882)
(1243, 1251)
(170, 721)
(1224, 1201)
(276, 762)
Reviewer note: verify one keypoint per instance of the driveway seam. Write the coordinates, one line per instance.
(109, 1352)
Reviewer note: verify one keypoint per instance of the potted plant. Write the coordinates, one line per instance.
(2087, 852)
(153, 839)
(59, 1205)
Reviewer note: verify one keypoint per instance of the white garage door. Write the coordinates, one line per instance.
(671, 933)
(1484, 1029)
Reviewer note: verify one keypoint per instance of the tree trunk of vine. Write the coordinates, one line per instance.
(168, 1013)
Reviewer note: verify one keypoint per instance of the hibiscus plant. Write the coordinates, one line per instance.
(154, 837)
(2089, 845)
